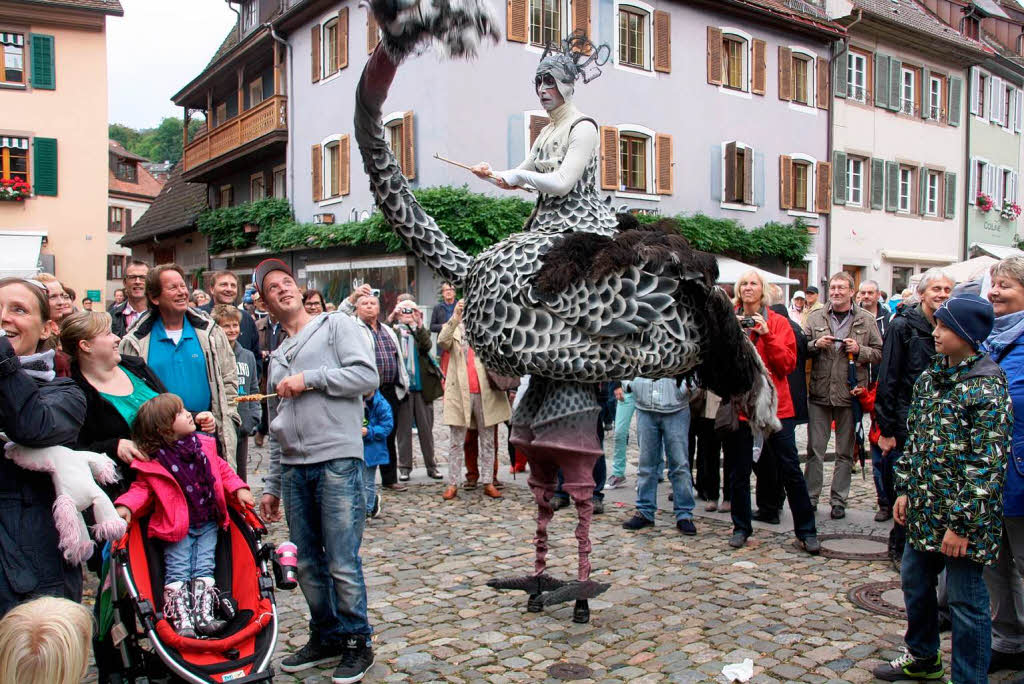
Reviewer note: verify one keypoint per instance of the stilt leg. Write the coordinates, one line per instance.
(543, 481)
(578, 474)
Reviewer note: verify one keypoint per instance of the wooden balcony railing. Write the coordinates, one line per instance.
(266, 117)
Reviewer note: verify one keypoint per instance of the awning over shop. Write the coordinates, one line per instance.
(19, 252)
(993, 250)
(729, 270)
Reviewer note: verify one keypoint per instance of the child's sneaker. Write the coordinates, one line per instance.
(909, 667)
(378, 506)
(205, 598)
(178, 609)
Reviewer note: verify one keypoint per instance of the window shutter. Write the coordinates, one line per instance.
(975, 75)
(342, 42)
(44, 71)
(955, 94)
(895, 74)
(537, 124)
(127, 219)
(925, 102)
(972, 177)
(372, 33)
(995, 110)
(663, 157)
(730, 172)
(823, 187)
(317, 173)
(892, 185)
(516, 28)
(839, 177)
(882, 80)
(922, 191)
(877, 184)
(345, 162)
(950, 195)
(581, 17)
(839, 80)
(662, 41)
(1018, 97)
(759, 78)
(785, 73)
(821, 83)
(785, 181)
(748, 176)
(315, 52)
(609, 158)
(714, 55)
(988, 100)
(44, 152)
(408, 145)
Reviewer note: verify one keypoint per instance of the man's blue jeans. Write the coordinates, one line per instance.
(325, 509)
(194, 556)
(671, 430)
(883, 473)
(968, 604)
(623, 417)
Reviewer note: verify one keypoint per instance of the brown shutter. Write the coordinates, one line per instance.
(345, 162)
(714, 55)
(372, 34)
(315, 52)
(748, 176)
(609, 158)
(824, 91)
(759, 78)
(537, 124)
(127, 219)
(730, 172)
(342, 42)
(785, 73)
(408, 146)
(823, 188)
(516, 29)
(785, 182)
(663, 163)
(662, 41)
(318, 167)
(581, 16)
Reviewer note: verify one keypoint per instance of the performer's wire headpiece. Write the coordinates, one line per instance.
(573, 58)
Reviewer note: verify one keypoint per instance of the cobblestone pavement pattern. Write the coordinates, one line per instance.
(679, 608)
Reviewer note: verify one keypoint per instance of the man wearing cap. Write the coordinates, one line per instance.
(812, 303)
(320, 373)
(424, 388)
(796, 306)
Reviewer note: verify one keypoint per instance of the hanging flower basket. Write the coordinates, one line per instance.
(984, 202)
(14, 190)
(1010, 211)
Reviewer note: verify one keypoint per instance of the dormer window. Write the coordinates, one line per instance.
(126, 170)
(249, 11)
(971, 27)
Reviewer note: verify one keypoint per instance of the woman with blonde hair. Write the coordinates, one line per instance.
(45, 641)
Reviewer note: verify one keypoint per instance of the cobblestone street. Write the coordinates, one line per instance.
(680, 608)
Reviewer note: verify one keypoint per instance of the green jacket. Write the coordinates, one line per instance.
(960, 432)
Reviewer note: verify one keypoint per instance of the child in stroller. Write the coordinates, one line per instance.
(184, 489)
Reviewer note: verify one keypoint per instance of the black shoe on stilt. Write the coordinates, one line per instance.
(534, 604)
(581, 612)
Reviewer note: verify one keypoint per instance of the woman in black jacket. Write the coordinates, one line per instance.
(37, 409)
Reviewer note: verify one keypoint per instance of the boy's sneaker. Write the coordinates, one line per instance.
(378, 506)
(356, 660)
(686, 526)
(312, 655)
(909, 667)
(637, 522)
(614, 482)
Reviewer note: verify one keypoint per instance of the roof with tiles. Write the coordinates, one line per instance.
(106, 6)
(805, 12)
(175, 209)
(910, 14)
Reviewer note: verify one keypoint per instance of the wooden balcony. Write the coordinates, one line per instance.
(266, 123)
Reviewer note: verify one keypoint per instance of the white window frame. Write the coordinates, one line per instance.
(812, 177)
(250, 14)
(978, 171)
(850, 161)
(934, 93)
(1009, 96)
(812, 74)
(904, 101)
(735, 206)
(1003, 180)
(387, 122)
(565, 17)
(648, 10)
(851, 70)
(638, 130)
(325, 172)
(324, 20)
(748, 56)
(909, 197)
(932, 199)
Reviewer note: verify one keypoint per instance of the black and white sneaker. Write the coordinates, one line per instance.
(378, 506)
(313, 655)
(356, 660)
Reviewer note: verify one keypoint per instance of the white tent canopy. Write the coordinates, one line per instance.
(729, 271)
(19, 252)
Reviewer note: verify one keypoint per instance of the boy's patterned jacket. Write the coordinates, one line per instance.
(960, 431)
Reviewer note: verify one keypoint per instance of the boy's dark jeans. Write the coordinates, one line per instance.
(968, 604)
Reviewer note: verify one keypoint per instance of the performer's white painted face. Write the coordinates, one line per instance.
(548, 92)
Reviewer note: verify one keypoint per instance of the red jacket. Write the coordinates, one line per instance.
(778, 351)
(155, 490)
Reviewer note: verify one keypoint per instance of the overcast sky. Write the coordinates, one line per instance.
(156, 48)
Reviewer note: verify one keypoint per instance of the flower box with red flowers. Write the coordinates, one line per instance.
(14, 190)
(984, 202)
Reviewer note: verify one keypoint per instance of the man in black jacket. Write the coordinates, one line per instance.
(124, 315)
(224, 285)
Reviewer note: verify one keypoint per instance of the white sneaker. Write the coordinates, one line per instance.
(614, 482)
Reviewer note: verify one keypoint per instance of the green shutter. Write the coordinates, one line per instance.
(895, 83)
(838, 177)
(922, 192)
(925, 90)
(881, 80)
(892, 186)
(950, 195)
(877, 184)
(44, 153)
(839, 78)
(44, 73)
(956, 89)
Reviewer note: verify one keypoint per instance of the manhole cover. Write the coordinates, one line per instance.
(884, 598)
(864, 547)
(570, 671)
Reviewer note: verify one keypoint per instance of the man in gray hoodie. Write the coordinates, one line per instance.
(320, 373)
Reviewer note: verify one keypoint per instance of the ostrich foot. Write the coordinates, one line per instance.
(531, 584)
(575, 591)
(534, 604)
(581, 612)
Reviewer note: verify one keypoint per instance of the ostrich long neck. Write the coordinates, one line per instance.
(390, 188)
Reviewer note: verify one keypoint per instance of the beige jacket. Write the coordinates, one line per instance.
(221, 370)
(829, 384)
(457, 408)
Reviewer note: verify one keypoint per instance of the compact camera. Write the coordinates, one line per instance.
(748, 322)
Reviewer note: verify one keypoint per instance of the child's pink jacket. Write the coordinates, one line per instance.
(156, 490)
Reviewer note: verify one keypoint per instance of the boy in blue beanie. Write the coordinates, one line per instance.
(949, 484)
(378, 421)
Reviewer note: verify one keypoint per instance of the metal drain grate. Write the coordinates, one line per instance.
(879, 597)
(568, 672)
(865, 547)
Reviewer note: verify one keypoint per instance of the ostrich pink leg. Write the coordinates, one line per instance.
(578, 482)
(543, 480)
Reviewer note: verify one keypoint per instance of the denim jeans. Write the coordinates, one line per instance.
(324, 506)
(623, 417)
(369, 486)
(883, 472)
(670, 430)
(968, 603)
(194, 556)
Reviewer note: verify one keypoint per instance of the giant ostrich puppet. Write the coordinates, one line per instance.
(576, 299)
